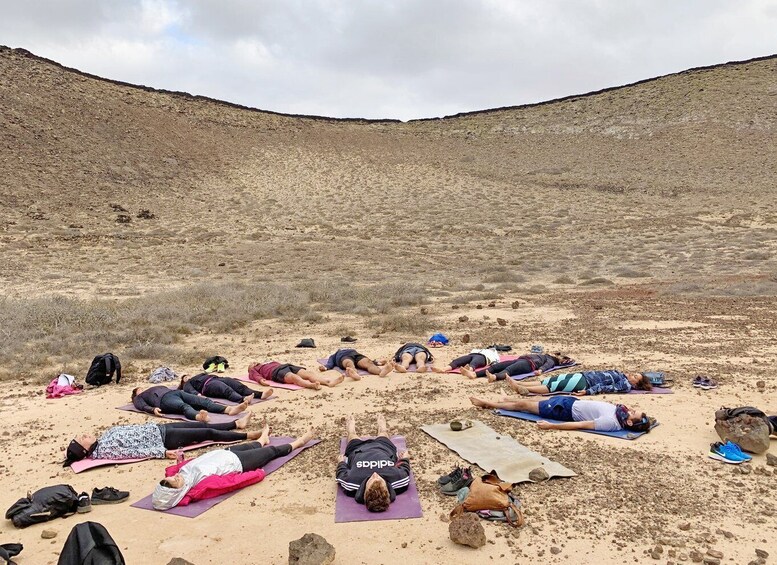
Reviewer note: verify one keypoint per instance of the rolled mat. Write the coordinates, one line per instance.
(620, 434)
(86, 464)
(490, 450)
(406, 505)
(214, 418)
(196, 508)
(245, 379)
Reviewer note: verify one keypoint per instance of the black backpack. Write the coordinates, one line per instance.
(728, 413)
(43, 505)
(90, 544)
(102, 368)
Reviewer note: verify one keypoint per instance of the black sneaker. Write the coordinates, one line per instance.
(84, 504)
(109, 495)
(458, 483)
(453, 475)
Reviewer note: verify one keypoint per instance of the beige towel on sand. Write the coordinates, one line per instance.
(492, 451)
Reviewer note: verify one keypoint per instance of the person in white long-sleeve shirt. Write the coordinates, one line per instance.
(236, 459)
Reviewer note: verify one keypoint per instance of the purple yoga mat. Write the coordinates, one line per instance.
(245, 379)
(196, 508)
(86, 464)
(406, 505)
(214, 418)
(654, 390)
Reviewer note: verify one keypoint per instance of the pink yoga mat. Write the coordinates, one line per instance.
(214, 418)
(245, 379)
(406, 505)
(86, 464)
(196, 508)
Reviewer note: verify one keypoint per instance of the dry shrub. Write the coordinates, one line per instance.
(504, 277)
(415, 324)
(564, 279)
(41, 332)
(629, 273)
(597, 280)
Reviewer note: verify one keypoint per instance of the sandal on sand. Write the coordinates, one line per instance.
(460, 424)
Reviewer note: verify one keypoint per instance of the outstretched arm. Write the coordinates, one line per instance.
(587, 425)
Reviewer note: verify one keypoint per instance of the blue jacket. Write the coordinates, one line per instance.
(600, 382)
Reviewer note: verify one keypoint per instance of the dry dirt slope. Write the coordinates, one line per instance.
(673, 177)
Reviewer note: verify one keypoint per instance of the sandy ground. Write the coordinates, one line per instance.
(634, 229)
(627, 497)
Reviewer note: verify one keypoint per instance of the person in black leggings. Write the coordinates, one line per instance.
(473, 360)
(219, 387)
(236, 459)
(534, 363)
(159, 400)
(156, 441)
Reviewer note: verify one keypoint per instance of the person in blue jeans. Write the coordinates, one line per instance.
(159, 400)
(575, 414)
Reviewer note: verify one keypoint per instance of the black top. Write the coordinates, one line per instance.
(150, 398)
(367, 456)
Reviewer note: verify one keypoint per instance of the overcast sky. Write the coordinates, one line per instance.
(388, 58)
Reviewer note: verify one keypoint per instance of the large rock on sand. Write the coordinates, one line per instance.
(467, 530)
(311, 549)
(749, 432)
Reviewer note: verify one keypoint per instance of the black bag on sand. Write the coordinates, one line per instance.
(43, 505)
(8, 550)
(102, 368)
(90, 544)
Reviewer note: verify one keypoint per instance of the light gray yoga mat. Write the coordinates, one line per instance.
(493, 451)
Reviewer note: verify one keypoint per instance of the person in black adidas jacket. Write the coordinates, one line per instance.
(371, 470)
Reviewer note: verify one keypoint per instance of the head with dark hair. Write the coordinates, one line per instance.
(79, 448)
(184, 378)
(639, 381)
(562, 358)
(632, 420)
(134, 393)
(376, 494)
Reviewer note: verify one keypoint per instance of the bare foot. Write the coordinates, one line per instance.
(386, 369)
(350, 425)
(243, 422)
(322, 368)
(440, 370)
(249, 398)
(254, 435)
(467, 371)
(232, 410)
(477, 402)
(398, 367)
(351, 373)
(381, 424)
(264, 438)
(268, 393)
(203, 416)
(513, 384)
(315, 386)
(421, 369)
(491, 377)
(303, 439)
(336, 381)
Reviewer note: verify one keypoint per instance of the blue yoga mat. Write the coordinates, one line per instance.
(620, 434)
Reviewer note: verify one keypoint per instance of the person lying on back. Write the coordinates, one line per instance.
(370, 470)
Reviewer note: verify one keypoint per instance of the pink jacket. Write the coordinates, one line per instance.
(216, 485)
(56, 391)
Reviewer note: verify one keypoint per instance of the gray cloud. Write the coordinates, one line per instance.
(389, 58)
